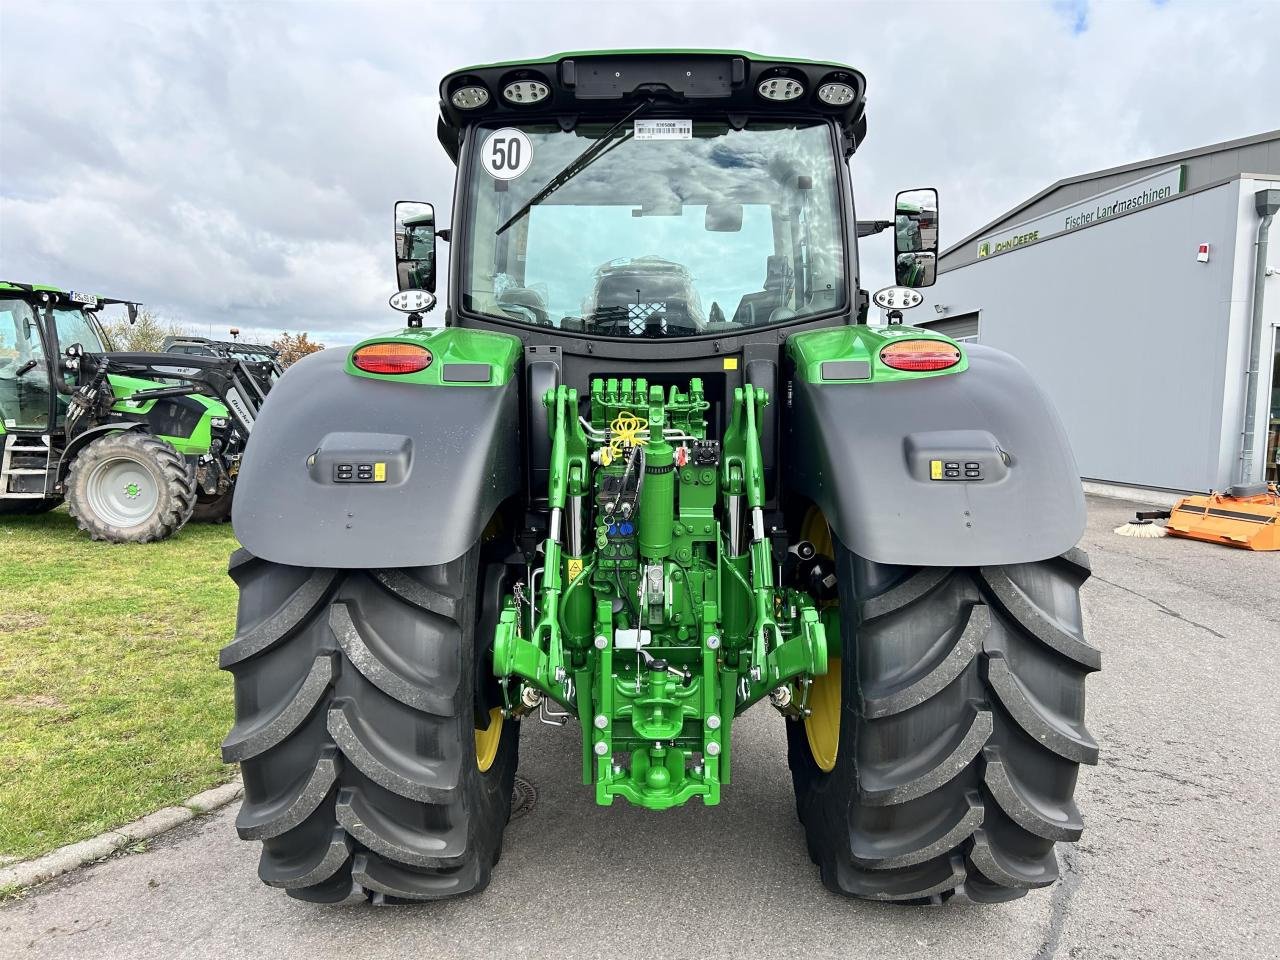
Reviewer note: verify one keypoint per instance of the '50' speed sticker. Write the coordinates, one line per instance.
(506, 154)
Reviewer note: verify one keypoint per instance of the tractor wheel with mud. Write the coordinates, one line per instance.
(130, 487)
(943, 745)
(213, 508)
(374, 755)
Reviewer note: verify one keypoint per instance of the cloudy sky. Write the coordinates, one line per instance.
(235, 163)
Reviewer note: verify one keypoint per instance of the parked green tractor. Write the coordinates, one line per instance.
(655, 469)
(136, 443)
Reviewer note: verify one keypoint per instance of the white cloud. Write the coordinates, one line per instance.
(235, 164)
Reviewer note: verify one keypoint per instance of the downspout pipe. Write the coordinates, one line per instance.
(1267, 203)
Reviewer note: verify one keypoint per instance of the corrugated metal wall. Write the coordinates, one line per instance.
(1129, 334)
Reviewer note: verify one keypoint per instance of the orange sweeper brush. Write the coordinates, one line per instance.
(1243, 517)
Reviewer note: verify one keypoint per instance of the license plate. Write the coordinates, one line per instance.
(86, 298)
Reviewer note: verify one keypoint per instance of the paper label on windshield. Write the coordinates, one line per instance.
(664, 129)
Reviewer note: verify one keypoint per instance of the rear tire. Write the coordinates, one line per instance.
(26, 508)
(356, 732)
(961, 730)
(213, 509)
(130, 487)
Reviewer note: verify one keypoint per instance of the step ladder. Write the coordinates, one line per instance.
(22, 447)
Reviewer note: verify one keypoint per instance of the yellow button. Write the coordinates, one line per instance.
(935, 469)
(731, 363)
(379, 473)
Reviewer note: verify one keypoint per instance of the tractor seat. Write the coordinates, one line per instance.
(756, 309)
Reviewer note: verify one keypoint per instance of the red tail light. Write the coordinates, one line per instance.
(391, 358)
(920, 355)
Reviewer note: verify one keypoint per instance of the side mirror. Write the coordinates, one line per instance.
(915, 237)
(415, 245)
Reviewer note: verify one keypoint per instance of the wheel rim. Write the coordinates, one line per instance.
(122, 492)
(487, 740)
(822, 724)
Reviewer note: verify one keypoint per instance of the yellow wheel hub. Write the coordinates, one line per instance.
(822, 725)
(487, 740)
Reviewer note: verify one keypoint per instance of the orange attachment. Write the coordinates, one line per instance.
(1249, 522)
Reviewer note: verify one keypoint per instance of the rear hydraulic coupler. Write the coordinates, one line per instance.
(646, 620)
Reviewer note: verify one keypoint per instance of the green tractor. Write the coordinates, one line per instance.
(654, 469)
(136, 443)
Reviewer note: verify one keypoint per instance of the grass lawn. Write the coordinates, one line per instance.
(111, 701)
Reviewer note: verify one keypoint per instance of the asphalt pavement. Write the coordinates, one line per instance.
(1180, 857)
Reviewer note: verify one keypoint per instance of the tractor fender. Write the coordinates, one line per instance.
(82, 440)
(450, 456)
(867, 454)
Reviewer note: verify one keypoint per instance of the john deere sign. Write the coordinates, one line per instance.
(1140, 193)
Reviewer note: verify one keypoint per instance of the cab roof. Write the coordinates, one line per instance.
(13, 287)
(607, 83)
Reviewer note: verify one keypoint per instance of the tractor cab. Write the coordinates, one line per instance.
(38, 325)
(651, 197)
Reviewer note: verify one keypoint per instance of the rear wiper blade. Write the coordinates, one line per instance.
(575, 166)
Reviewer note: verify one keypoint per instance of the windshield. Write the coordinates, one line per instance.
(75, 326)
(676, 229)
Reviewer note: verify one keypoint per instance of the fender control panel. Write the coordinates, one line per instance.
(955, 469)
(375, 472)
(964, 456)
(380, 458)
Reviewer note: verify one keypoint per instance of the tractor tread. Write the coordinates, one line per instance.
(424, 597)
(909, 591)
(906, 780)
(427, 782)
(1057, 733)
(1033, 618)
(964, 718)
(384, 836)
(932, 840)
(261, 821)
(293, 614)
(378, 668)
(356, 747)
(920, 882)
(402, 884)
(1005, 870)
(261, 734)
(936, 674)
(295, 872)
(1034, 813)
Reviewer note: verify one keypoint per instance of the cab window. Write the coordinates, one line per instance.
(24, 375)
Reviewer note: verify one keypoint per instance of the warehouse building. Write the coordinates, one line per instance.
(1136, 297)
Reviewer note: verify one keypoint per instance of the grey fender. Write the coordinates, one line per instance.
(864, 453)
(450, 455)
